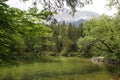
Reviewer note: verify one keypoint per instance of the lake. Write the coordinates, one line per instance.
(62, 68)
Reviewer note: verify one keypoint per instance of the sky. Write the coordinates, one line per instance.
(98, 6)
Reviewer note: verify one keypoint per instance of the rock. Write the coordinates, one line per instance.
(98, 59)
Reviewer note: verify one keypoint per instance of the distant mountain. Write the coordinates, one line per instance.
(79, 16)
(77, 23)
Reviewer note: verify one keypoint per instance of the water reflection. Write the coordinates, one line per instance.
(68, 70)
(8, 76)
(113, 70)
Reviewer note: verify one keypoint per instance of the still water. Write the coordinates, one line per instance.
(72, 68)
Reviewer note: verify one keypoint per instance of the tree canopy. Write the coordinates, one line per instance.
(20, 32)
(24, 36)
(101, 37)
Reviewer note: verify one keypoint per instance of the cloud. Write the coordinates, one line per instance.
(100, 7)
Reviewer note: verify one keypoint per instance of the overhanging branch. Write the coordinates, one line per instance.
(109, 48)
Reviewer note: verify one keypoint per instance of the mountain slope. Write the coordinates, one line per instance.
(77, 23)
(79, 16)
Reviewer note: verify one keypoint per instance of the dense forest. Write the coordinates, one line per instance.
(23, 36)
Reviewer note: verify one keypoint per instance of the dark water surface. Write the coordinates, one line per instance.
(72, 68)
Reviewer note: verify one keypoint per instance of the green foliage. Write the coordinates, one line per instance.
(21, 32)
(65, 38)
(103, 36)
(8, 32)
(24, 36)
